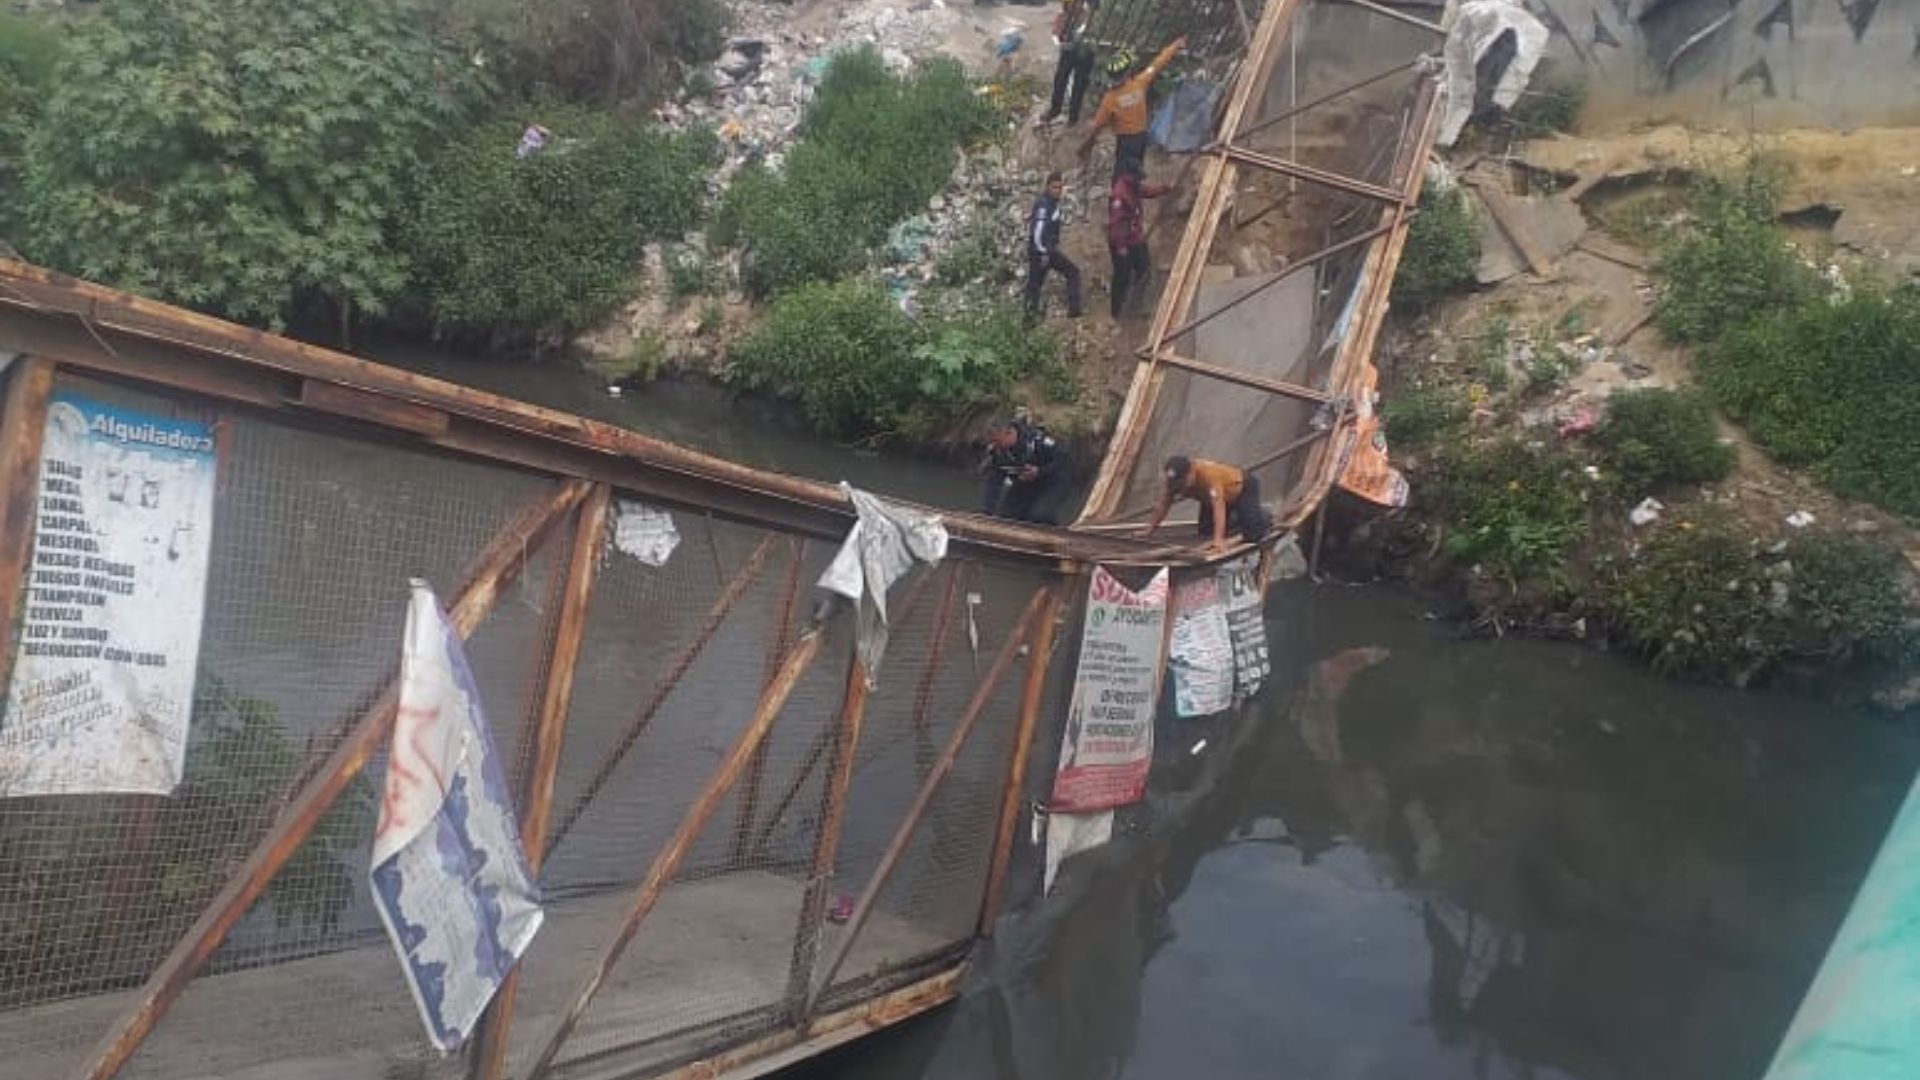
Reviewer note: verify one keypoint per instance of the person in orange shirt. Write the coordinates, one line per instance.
(1229, 499)
(1124, 108)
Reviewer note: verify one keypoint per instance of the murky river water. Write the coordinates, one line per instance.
(1417, 858)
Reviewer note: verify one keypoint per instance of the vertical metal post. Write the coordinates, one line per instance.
(556, 700)
(1038, 665)
(22, 424)
(826, 841)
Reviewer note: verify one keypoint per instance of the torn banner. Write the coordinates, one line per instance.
(1108, 747)
(879, 550)
(449, 877)
(1200, 651)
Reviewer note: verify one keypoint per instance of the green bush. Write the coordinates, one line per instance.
(1545, 111)
(1834, 387)
(845, 350)
(874, 148)
(1734, 262)
(1705, 603)
(861, 368)
(241, 156)
(1417, 415)
(1442, 254)
(514, 247)
(1510, 507)
(1654, 439)
(29, 50)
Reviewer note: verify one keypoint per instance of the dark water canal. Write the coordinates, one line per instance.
(1417, 859)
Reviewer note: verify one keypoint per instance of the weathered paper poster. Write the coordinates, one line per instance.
(1108, 746)
(109, 642)
(1246, 622)
(1200, 652)
(449, 876)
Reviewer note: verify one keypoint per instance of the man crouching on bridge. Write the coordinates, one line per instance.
(1026, 473)
(1229, 499)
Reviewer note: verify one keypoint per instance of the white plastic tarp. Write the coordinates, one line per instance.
(879, 550)
(1479, 24)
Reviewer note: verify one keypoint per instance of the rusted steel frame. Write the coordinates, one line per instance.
(666, 862)
(1355, 351)
(1291, 269)
(825, 738)
(23, 426)
(942, 622)
(783, 1048)
(1021, 631)
(1247, 379)
(504, 557)
(275, 369)
(1039, 664)
(536, 798)
(782, 639)
(1323, 99)
(1309, 173)
(662, 690)
(826, 838)
(1398, 16)
(1195, 245)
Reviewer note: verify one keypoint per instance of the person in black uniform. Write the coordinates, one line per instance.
(1043, 249)
(1026, 473)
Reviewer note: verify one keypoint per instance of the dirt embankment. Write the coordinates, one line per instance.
(1561, 320)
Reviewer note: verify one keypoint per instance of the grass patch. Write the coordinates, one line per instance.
(1510, 508)
(1833, 387)
(874, 148)
(1704, 603)
(860, 368)
(1556, 107)
(1417, 416)
(517, 247)
(1734, 262)
(1656, 439)
(1442, 255)
(1645, 218)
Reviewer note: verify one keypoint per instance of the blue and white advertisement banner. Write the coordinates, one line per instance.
(449, 876)
(109, 640)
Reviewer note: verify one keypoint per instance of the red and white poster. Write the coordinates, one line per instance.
(1108, 747)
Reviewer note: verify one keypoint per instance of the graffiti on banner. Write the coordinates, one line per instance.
(1108, 746)
(1200, 650)
(109, 639)
(449, 876)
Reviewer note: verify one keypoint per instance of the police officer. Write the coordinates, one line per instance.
(1026, 473)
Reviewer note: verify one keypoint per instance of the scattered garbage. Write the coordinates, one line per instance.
(1799, 519)
(1646, 513)
(1582, 422)
(842, 909)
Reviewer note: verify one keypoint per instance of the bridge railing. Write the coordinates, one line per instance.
(745, 843)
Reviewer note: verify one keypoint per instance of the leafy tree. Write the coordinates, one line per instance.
(29, 48)
(241, 156)
(514, 247)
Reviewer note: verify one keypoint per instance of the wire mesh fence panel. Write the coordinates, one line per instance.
(313, 540)
(713, 953)
(933, 900)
